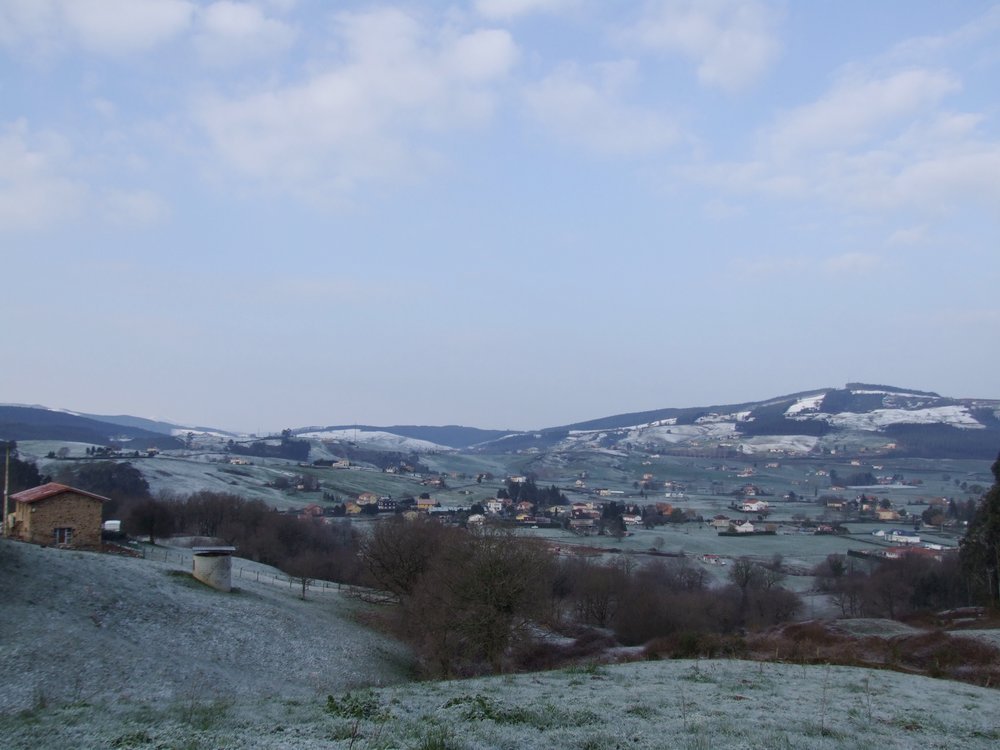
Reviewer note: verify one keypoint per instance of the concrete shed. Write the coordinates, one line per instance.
(213, 566)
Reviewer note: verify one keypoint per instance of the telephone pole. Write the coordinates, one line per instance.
(6, 484)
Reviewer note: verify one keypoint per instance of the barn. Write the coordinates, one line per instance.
(58, 515)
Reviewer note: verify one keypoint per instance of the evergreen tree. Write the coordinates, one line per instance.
(980, 550)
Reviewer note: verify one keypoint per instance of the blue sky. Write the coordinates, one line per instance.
(499, 213)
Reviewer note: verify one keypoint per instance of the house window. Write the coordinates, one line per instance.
(63, 536)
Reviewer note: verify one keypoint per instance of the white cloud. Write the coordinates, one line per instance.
(34, 187)
(366, 118)
(509, 9)
(909, 236)
(586, 106)
(44, 182)
(133, 207)
(852, 263)
(770, 266)
(922, 48)
(732, 42)
(125, 26)
(720, 210)
(873, 144)
(764, 266)
(855, 111)
(42, 28)
(231, 32)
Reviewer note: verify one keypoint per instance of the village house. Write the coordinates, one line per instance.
(367, 498)
(57, 514)
(386, 505)
(720, 522)
(755, 506)
(901, 536)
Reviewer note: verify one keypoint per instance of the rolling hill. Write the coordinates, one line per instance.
(859, 417)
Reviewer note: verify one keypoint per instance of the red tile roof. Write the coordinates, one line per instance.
(48, 490)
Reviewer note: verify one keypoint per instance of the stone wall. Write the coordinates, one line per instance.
(37, 520)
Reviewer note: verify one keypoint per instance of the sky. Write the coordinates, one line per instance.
(507, 214)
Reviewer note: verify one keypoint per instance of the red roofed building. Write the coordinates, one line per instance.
(59, 515)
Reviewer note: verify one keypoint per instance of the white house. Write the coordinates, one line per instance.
(754, 506)
(901, 536)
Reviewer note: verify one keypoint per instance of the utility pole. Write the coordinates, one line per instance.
(6, 484)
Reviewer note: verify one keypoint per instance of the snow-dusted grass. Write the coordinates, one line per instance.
(80, 626)
(677, 704)
(102, 651)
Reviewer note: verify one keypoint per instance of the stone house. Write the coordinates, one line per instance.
(59, 515)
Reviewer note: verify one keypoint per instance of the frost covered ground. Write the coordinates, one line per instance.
(80, 626)
(101, 651)
(673, 704)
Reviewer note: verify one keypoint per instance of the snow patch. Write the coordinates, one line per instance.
(806, 404)
(376, 438)
(789, 444)
(956, 416)
(888, 393)
(740, 416)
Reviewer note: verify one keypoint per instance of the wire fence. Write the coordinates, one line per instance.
(258, 576)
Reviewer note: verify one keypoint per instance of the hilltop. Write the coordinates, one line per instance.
(860, 417)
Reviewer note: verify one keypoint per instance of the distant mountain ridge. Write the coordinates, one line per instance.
(861, 416)
(39, 423)
(450, 436)
(870, 417)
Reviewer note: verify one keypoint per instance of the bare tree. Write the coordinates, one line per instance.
(399, 551)
(478, 594)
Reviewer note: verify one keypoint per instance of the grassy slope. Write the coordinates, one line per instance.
(82, 626)
(111, 652)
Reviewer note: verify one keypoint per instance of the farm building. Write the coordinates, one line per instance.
(57, 514)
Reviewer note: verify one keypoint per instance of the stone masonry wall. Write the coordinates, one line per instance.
(66, 510)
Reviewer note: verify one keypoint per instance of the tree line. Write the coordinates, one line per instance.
(471, 602)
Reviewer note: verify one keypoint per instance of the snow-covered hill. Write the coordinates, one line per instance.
(373, 439)
(879, 419)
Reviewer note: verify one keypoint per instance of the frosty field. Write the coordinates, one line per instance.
(110, 652)
(675, 704)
